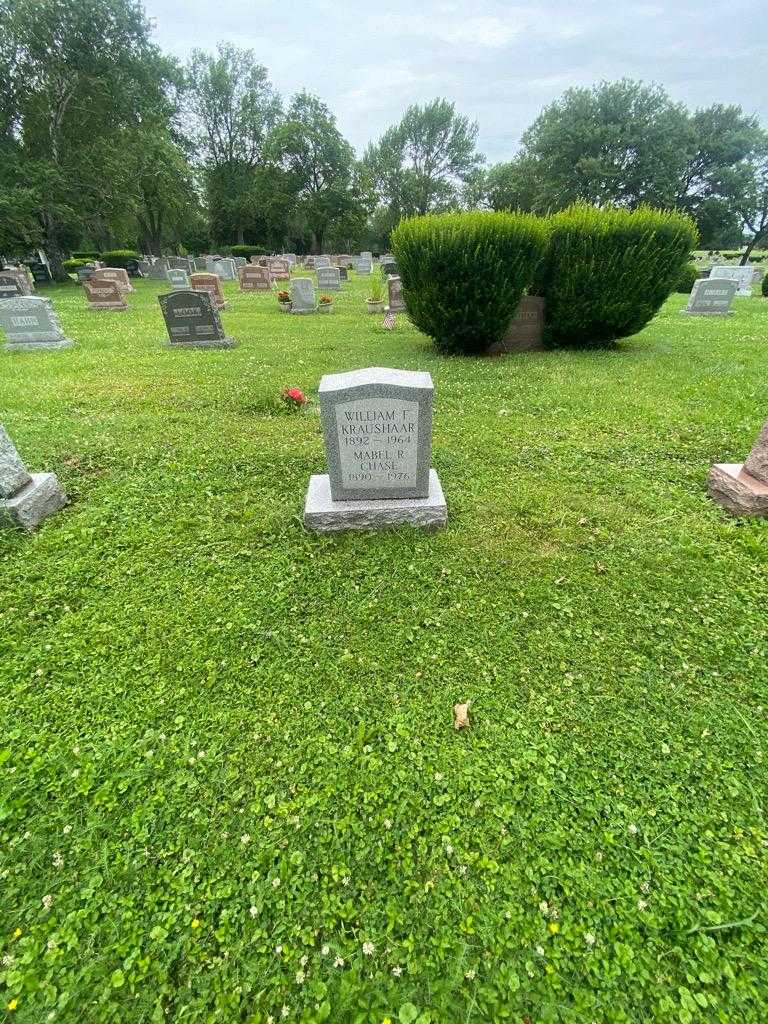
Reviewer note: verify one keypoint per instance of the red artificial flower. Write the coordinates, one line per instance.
(295, 395)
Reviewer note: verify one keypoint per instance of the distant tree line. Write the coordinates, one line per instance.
(105, 141)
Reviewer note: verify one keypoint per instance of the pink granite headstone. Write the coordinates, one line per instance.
(742, 488)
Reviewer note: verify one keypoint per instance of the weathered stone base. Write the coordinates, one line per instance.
(324, 515)
(690, 312)
(34, 503)
(32, 346)
(299, 312)
(213, 343)
(741, 494)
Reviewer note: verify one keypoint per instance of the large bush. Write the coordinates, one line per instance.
(463, 274)
(119, 257)
(608, 271)
(87, 255)
(686, 278)
(246, 251)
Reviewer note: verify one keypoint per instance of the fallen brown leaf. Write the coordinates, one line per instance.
(461, 715)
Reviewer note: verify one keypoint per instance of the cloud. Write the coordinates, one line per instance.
(501, 63)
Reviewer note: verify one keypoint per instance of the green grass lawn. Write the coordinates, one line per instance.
(231, 790)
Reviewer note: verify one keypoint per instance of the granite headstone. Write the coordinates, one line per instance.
(26, 499)
(31, 323)
(192, 320)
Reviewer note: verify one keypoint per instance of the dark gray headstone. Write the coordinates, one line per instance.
(192, 320)
(9, 287)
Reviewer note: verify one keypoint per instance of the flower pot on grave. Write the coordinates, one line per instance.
(325, 307)
(375, 307)
(285, 307)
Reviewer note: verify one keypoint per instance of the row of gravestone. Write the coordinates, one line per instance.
(713, 295)
(377, 428)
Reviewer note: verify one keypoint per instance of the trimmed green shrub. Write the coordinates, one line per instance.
(247, 251)
(86, 255)
(608, 271)
(119, 257)
(687, 277)
(463, 274)
(764, 286)
(70, 266)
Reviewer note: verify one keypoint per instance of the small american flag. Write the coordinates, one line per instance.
(389, 321)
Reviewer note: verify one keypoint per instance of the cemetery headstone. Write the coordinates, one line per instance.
(367, 256)
(178, 263)
(30, 322)
(104, 294)
(239, 261)
(281, 270)
(711, 296)
(363, 265)
(133, 268)
(328, 279)
(22, 278)
(377, 426)
(255, 279)
(343, 274)
(41, 273)
(322, 262)
(198, 264)
(225, 269)
(178, 280)
(396, 300)
(9, 287)
(145, 268)
(193, 321)
(303, 295)
(742, 488)
(525, 332)
(117, 274)
(209, 283)
(26, 499)
(741, 275)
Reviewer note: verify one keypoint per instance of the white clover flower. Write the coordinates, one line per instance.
(284, 1012)
(300, 977)
(254, 911)
(387, 824)
(58, 860)
(67, 829)
(641, 905)
(346, 880)
(448, 849)
(245, 838)
(338, 962)
(51, 944)
(589, 938)
(47, 901)
(397, 970)
(540, 950)
(275, 883)
(632, 829)
(304, 960)
(7, 960)
(278, 950)
(471, 974)
(368, 949)
(544, 907)
(325, 951)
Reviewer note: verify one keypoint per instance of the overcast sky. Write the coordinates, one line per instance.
(499, 62)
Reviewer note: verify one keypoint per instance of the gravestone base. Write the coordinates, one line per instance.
(737, 491)
(31, 346)
(204, 343)
(41, 497)
(690, 312)
(324, 515)
(301, 312)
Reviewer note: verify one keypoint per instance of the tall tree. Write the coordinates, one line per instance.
(745, 190)
(619, 142)
(320, 164)
(79, 76)
(421, 163)
(233, 109)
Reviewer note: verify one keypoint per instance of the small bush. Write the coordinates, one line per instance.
(248, 250)
(686, 279)
(70, 266)
(608, 271)
(119, 257)
(764, 287)
(463, 274)
(86, 255)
